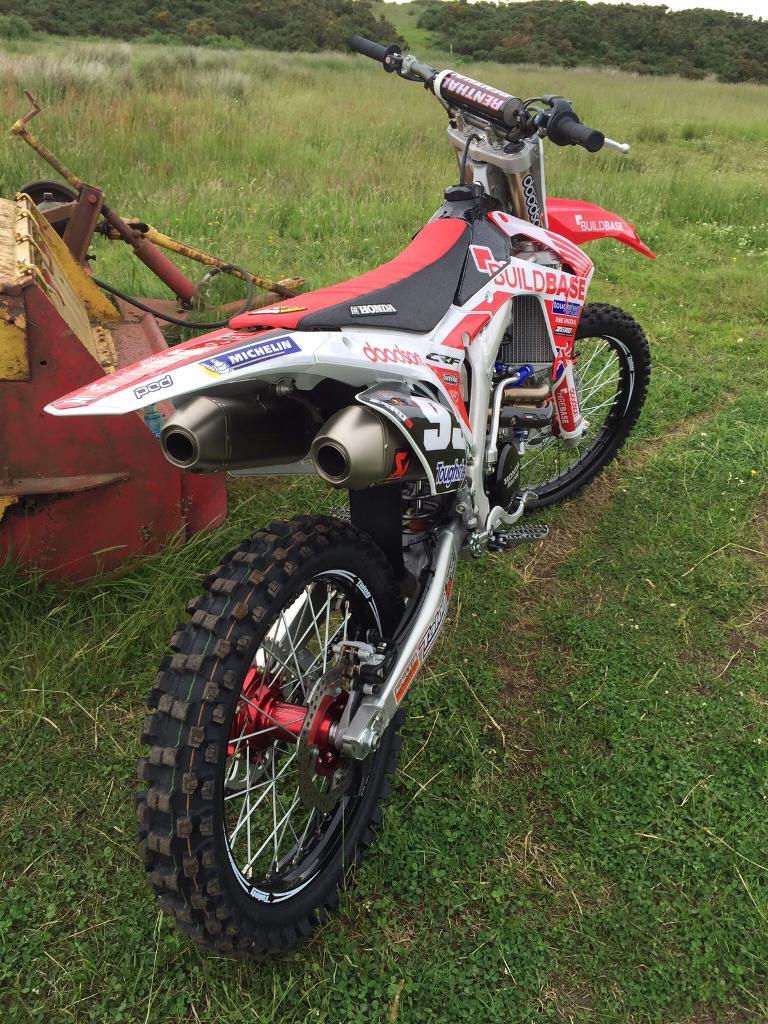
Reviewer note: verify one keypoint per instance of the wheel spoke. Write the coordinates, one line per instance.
(598, 379)
(256, 803)
(271, 838)
(269, 830)
(261, 785)
(248, 802)
(586, 397)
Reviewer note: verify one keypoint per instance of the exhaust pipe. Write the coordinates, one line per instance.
(358, 448)
(209, 434)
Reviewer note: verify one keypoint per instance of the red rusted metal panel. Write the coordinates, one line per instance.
(142, 505)
(83, 221)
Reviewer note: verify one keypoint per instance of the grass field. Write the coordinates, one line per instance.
(579, 831)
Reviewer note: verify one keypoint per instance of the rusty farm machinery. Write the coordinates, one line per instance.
(75, 499)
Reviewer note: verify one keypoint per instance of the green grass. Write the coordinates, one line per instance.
(579, 830)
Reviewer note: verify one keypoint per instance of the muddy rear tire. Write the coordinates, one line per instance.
(198, 865)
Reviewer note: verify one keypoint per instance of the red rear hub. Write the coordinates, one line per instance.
(262, 717)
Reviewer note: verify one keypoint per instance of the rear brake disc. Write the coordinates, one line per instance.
(316, 789)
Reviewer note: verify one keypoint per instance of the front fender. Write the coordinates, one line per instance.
(584, 222)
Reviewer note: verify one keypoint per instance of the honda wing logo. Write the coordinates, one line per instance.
(485, 261)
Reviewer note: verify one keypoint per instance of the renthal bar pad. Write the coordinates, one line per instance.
(477, 98)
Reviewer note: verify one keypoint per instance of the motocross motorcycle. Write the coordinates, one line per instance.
(448, 392)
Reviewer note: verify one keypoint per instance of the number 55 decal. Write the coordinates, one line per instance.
(430, 430)
(445, 433)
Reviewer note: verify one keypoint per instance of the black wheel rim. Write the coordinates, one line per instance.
(604, 376)
(275, 845)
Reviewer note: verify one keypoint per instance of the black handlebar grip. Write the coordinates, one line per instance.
(368, 48)
(565, 129)
(383, 54)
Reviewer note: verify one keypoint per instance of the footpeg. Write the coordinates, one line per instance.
(517, 535)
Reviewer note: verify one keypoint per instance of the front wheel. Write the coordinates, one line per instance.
(612, 373)
(251, 820)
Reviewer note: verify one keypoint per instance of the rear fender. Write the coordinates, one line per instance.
(431, 430)
(227, 358)
(585, 222)
(220, 357)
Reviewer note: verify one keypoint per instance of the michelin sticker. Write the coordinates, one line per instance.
(247, 355)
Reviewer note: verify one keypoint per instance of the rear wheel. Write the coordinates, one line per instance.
(612, 374)
(251, 820)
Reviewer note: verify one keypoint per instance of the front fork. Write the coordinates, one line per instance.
(569, 424)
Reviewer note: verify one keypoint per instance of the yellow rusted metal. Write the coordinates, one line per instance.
(47, 155)
(5, 503)
(106, 353)
(14, 362)
(40, 255)
(68, 271)
(14, 277)
(286, 287)
(20, 129)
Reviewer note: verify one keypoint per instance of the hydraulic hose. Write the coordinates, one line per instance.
(250, 292)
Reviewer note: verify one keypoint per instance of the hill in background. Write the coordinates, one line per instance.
(648, 40)
(294, 25)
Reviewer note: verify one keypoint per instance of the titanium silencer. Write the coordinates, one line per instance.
(209, 434)
(357, 448)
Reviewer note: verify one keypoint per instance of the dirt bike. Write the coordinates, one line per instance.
(448, 392)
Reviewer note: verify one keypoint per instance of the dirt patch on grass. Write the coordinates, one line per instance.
(540, 572)
(569, 1001)
(705, 1015)
(750, 635)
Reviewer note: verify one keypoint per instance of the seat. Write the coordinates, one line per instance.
(410, 293)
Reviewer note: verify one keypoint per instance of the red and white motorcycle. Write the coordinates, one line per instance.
(447, 391)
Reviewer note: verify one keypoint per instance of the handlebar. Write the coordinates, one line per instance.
(493, 104)
(383, 54)
(560, 123)
(565, 129)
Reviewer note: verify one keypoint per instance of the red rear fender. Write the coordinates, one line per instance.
(584, 222)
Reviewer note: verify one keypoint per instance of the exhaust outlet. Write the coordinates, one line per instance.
(358, 448)
(209, 434)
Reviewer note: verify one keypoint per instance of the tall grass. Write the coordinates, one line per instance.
(322, 166)
(579, 831)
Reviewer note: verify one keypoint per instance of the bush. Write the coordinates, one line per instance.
(14, 27)
(305, 25)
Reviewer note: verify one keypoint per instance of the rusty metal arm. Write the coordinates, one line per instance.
(20, 129)
(146, 239)
(287, 288)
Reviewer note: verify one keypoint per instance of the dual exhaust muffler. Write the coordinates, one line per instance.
(359, 448)
(356, 447)
(209, 434)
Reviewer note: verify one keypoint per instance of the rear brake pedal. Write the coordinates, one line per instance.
(517, 535)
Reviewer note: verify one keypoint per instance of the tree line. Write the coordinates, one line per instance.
(301, 25)
(649, 40)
